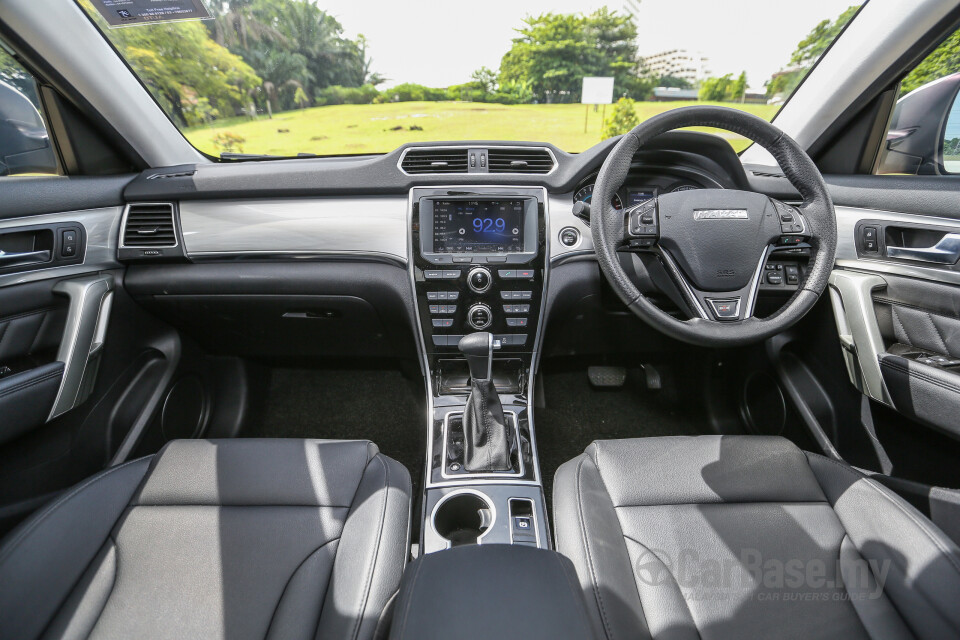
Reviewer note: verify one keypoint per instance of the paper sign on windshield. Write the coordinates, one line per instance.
(124, 13)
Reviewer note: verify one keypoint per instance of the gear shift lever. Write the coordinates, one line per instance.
(486, 444)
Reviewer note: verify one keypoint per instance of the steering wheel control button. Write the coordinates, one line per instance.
(792, 272)
(569, 237)
(725, 308)
(642, 219)
(479, 280)
(480, 316)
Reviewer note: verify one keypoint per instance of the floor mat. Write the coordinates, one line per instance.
(378, 405)
(576, 414)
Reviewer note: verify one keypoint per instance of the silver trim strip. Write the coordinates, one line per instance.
(317, 226)
(859, 332)
(467, 148)
(101, 228)
(86, 328)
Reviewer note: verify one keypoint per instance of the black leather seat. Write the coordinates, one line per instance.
(215, 539)
(748, 537)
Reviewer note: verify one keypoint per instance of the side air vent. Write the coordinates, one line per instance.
(149, 226)
(434, 161)
(521, 160)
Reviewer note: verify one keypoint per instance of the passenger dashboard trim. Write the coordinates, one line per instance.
(372, 226)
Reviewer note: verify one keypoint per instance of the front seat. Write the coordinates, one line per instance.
(215, 539)
(748, 537)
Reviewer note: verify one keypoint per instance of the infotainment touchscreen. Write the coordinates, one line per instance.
(478, 226)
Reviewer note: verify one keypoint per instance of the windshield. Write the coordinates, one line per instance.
(332, 77)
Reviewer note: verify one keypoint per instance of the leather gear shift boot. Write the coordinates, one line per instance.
(486, 439)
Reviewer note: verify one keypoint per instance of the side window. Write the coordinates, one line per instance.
(924, 133)
(25, 146)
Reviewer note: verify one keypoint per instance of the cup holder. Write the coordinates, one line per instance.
(462, 518)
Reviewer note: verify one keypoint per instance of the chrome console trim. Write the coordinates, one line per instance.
(424, 359)
(374, 226)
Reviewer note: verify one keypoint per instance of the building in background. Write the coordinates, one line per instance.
(679, 63)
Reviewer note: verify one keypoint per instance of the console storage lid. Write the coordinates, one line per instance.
(480, 592)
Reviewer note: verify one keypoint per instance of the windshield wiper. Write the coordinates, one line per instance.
(232, 155)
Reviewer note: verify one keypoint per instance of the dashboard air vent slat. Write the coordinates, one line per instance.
(149, 225)
(435, 161)
(520, 161)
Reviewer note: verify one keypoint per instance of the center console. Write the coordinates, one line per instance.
(479, 265)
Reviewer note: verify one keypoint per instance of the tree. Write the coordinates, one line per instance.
(622, 119)
(292, 44)
(807, 53)
(674, 82)
(716, 89)
(554, 52)
(944, 60)
(738, 89)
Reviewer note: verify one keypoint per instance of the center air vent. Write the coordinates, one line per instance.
(149, 225)
(434, 161)
(521, 160)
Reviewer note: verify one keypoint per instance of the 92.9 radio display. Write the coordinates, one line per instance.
(478, 226)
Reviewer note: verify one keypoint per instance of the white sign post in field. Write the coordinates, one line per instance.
(596, 90)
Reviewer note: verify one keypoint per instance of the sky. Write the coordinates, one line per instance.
(440, 42)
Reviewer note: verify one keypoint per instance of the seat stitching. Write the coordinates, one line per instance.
(286, 586)
(720, 502)
(873, 484)
(31, 382)
(937, 330)
(53, 507)
(586, 545)
(373, 562)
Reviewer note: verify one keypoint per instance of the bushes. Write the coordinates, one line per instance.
(622, 119)
(411, 92)
(347, 95)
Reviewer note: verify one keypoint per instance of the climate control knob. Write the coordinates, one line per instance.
(480, 316)
(479, 280)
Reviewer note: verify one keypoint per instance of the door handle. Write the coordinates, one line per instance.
(946, 251)
(25, 257)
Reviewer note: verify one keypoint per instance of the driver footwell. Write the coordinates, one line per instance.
(577, 413)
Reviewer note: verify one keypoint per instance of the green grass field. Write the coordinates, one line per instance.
(378, 128)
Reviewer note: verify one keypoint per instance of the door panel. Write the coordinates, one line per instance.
(897, 315)
(82, 368)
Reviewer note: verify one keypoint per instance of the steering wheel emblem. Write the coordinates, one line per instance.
(720, 214)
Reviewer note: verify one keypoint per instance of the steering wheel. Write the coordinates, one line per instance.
(714, 243)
